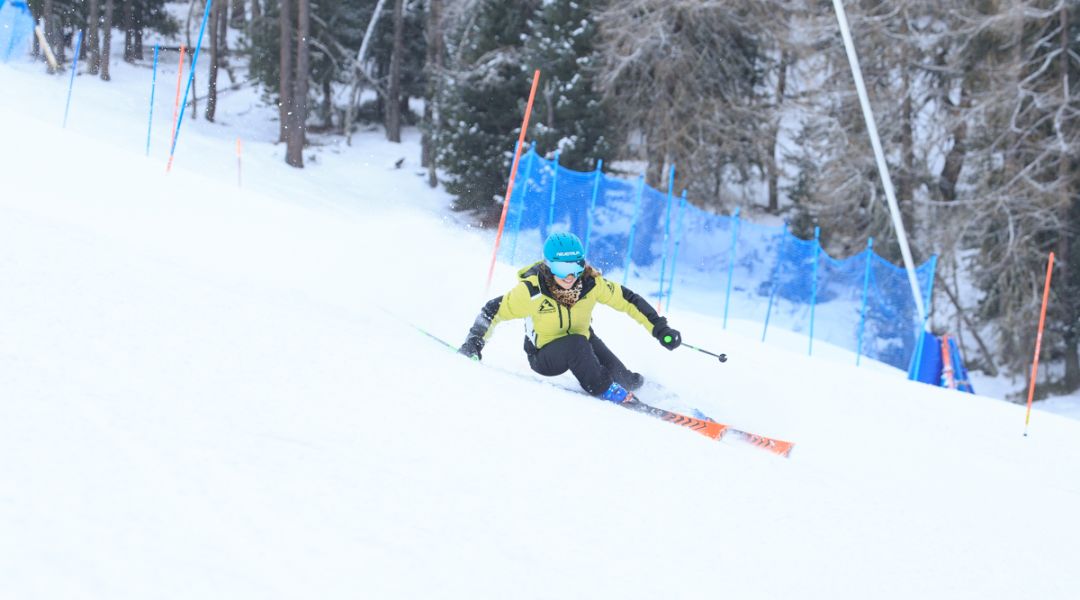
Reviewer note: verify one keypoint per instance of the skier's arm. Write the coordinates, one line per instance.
(624, 299)
(512, 305)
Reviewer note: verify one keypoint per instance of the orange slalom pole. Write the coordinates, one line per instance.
(176, 107)
(513, 174)
(1038, 341)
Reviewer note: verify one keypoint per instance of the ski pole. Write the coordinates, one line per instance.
(722, 357)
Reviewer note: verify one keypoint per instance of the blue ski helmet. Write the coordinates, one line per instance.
(564, 255)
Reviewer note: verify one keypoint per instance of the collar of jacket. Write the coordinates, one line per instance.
(587, 283)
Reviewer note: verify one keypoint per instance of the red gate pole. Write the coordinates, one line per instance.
(1038, 342)
(513, 174)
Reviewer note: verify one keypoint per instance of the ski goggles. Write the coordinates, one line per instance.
(562, 269)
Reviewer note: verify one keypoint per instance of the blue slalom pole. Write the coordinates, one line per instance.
(187, 88)
(633, 228)
(675, 256)
(865, 297)
(731, 262)
(776, 273)
(592, 205)
(71, 83)
(554, 188)
(153, 88)
(667, 233)
(920, 335)
(521, 200)
(813, 294)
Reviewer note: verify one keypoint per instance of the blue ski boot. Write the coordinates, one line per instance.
(616, 393)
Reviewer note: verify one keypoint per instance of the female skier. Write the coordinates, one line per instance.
(556, 296)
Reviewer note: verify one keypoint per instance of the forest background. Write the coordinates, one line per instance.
(753, 100)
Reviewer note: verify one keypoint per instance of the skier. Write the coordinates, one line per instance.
(556, 296)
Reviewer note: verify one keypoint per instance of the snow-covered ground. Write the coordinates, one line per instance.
(215, 389)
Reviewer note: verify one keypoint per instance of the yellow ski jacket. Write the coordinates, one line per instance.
(548, 320)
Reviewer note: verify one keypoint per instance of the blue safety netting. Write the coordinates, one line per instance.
(16, 27)
(735, 268)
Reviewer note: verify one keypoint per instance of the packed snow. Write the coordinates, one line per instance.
(213, 384)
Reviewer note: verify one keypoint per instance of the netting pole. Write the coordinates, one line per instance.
(554, 189)
(513, 173)
(633, 228)
(1038, 342)
(675, 255)
(592, 204)
(187, 88)
(74, 66)
(667, 234)
(521, 201)
(916, 362)
(153, 88)
(776, 274)
(814, 288)
(731, 262)
(865, 297)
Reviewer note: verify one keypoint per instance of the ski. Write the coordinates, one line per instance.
(774, 445)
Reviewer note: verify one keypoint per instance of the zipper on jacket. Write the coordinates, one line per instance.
(559, 307)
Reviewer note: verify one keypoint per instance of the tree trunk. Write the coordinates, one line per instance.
(1065, 181)
(93, 40)
(256, 10)
(106, 40)
(129, 31)
(51, 26)
(239, 19)
(328, 105)
(393, 102)
(771, 165)
(435, 60)
(294, 152)
(215, 53)
(285, 89)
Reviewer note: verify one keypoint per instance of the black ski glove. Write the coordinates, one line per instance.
(669, 338)
(472, 348)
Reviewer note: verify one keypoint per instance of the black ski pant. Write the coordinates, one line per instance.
(588, 358)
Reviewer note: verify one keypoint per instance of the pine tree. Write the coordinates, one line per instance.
(483, 99)
(571, 116)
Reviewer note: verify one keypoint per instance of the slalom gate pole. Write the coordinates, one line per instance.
(667, 234)
(722, 357)
(187, 88)
(74, 66)
(865, 297)
(153, 88)
(513, 173)
(633, 229)
(675, 256)
(1038, 342)
(592, 204)
(179, 80)
(813, 294)
(239, 164)
(731, 263)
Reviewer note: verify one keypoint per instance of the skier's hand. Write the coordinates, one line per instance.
(668, 337)
(471, 348)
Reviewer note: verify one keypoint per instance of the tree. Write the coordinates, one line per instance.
(571, 115)
(484, 90)
(93, 40)
(434, 62)
(297, 92)
(393, 100)
(106, 40)
(285, 68)
(217, 32)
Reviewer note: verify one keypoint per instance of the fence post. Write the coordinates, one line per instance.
(675, 255)
(813, 293)
(865, 296)
(667, 234)
(521, 201)
(74, 66)
(153, 88)
(776, 273)
(554, 188)
(592, 204)
(731, 263)
(633, 228)
(916, 358)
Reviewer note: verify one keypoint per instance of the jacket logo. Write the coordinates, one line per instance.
(546, 306)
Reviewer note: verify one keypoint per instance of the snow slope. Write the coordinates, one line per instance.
(214, 391)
